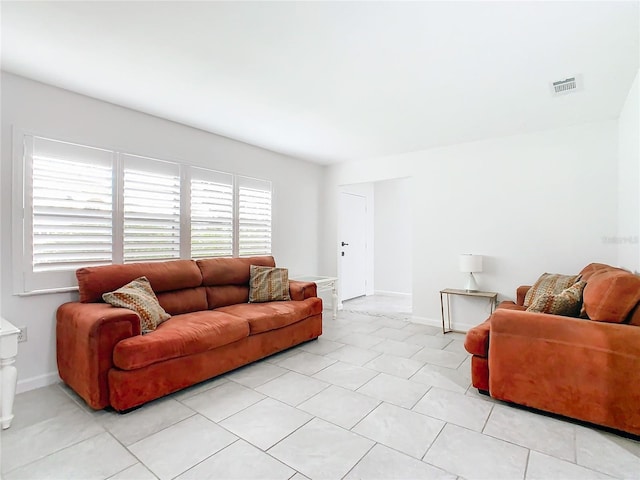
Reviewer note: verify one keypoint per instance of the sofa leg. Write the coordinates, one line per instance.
(484, 392)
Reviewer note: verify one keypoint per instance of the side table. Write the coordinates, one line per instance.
(324, 283)
(447, 292)
(8, 372)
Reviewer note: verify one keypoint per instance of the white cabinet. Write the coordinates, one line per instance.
(8, 372)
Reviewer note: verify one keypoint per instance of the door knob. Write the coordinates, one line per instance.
(344, 244)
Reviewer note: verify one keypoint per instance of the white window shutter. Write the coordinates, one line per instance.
(81, 206)
(151, 206)
(254, 216)
(211, 213)
(70, 205)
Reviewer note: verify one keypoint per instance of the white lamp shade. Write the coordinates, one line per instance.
(470, 263)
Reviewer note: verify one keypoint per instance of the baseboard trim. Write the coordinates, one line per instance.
(426, 321)
(390, 293)
(458, 327)
(38, 381)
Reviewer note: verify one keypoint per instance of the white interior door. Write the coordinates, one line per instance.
(352, 245)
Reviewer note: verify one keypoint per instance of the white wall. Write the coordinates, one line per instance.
(629, 180)
(393, 237)
(46, 110)
(528, 203)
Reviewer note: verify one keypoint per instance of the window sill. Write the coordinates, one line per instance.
(47, 291)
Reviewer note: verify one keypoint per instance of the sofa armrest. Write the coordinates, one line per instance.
(302, 290)
(86, 334)
(580, 368)
(521, 292)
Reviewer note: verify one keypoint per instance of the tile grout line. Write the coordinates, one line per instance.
(432, 444)
(282, 440)
(55, 452)
(203, 460)
(486, 420)
(367, 415)
(359, 460)
(130, 453)
(526, 464)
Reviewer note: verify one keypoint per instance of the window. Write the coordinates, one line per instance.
(70, 221)
(90, 206)
(151, 203)
(254, 216)
(211, 213)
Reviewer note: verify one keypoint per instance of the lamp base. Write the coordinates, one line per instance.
(472, 286)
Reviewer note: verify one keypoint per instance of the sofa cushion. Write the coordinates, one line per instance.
(610, 295)
(549, 284)
(566, 303)
(138, 296)
(180, 336)
(263, 317)
(163, 276)
(268, 284)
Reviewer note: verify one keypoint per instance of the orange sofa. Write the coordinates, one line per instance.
(104, 359)
(583, 368)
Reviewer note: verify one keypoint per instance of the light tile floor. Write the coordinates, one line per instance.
(375, 397)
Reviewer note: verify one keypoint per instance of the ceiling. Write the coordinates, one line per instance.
(335, 81)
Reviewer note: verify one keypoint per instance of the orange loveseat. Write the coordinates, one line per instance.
(103, 357)
(583, 368)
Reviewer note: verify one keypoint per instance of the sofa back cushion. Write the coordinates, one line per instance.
(227, 279)
(592, 268)
(230, 271)
(224, 295)
(587, 272)
(186, 300)
(611, 295)
(163, 277)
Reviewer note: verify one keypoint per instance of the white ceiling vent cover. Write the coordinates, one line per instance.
(567, 85)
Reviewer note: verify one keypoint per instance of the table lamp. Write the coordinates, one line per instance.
(470, 263)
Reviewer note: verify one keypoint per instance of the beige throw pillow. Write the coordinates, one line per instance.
(268, 284)
(549, 284)
(138, 296)
(565, 303)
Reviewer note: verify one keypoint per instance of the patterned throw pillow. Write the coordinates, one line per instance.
(549, 284)
(268, 284)
(139, 297)
(567, 302)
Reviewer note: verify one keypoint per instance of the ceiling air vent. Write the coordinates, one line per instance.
(567, 85)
